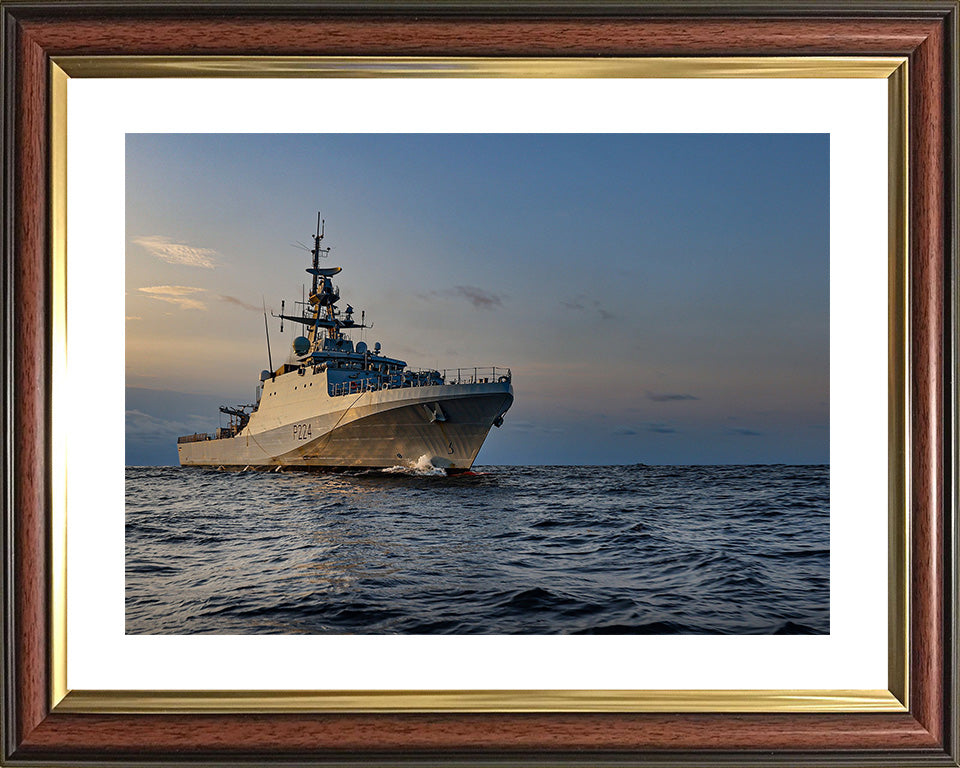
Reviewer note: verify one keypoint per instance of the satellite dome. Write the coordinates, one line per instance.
(301, 345)
(264, 375)
(376, 347)
(361, 347)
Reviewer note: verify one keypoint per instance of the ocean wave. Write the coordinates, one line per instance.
(541, 550)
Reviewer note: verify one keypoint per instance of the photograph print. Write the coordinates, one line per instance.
(477, 384)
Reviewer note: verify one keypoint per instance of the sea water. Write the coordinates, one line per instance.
(538, 550)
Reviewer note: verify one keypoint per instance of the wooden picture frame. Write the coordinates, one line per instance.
(38, 730)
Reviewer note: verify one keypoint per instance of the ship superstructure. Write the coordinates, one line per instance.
(338, 404)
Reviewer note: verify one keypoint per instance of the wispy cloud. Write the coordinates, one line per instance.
(478, 297)
(669, 397)
(582, 303)
(172, 252)
(241, 303)
(145, 426)
(529, 426)
(661, 429)
(743, 432)
(181, 295)
(655, 427)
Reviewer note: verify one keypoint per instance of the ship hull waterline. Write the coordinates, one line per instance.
(442, 426)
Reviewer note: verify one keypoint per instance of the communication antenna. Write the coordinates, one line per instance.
(283, 303)
(267, 329)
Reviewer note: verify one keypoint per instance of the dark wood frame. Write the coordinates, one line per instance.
(926, 32)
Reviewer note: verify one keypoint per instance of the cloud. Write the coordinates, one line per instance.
(529, 426)
(144, 426)
(669, 397)
(175, 294)
(240, 303)
(582, 303)
(661, 429)
(172, 252)
(480, 298)
(744, 432)
(408, 351)
(655, 427)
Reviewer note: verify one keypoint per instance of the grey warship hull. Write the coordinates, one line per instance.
(443, 426)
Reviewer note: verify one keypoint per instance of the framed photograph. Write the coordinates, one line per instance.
(696, 506)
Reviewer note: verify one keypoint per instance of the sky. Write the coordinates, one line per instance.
(660, 299)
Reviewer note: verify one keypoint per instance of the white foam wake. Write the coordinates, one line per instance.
(422, 467)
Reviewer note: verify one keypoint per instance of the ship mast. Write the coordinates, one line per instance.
(317, 251)
(322, 298)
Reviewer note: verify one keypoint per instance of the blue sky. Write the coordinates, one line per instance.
(660, 298)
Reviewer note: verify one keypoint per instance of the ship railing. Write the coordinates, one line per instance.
(422, 378)
(475, 375)
(196, 437)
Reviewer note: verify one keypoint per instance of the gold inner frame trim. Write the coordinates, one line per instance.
(428, 66)
(58, 442)
(893, 69)
(898, 383)
(544, 701)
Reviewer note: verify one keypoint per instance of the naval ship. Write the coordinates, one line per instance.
(341, 405)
